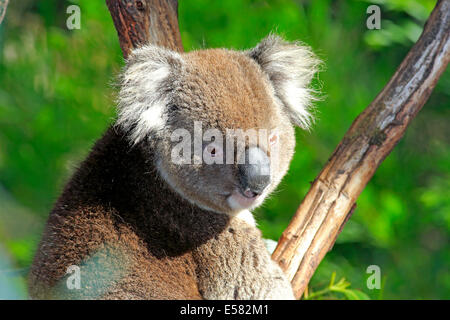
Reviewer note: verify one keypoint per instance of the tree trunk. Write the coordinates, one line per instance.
(146, 21)
(375, 132)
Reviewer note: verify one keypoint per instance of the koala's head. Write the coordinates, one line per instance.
(220, 122)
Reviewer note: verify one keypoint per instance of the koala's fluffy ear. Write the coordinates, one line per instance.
(290, 67)
(145, 84)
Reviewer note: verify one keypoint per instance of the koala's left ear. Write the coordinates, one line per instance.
(290, 67)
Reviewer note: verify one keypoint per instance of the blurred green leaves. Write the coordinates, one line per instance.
(400, 29)
(55, 97)
(392, 34)
(341, 287)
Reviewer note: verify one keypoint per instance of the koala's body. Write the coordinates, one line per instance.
(132, 223)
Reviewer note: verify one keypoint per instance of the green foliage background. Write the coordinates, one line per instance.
(56, 99)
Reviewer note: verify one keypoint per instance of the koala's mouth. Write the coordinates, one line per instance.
(243, 199)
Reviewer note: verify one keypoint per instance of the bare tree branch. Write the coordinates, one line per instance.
(372, 136)
(146, 21)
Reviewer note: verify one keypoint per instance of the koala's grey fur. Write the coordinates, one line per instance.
(142, 227)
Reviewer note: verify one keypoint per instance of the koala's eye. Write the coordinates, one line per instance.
(213, 154)
(212, 150)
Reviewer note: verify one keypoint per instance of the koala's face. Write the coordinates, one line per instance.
(220, 121)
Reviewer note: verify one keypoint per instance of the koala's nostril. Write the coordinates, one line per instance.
(249, 193)
(254, 174)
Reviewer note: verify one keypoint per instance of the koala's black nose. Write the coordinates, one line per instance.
(254, 174)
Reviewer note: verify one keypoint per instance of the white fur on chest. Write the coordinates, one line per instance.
(247, 217)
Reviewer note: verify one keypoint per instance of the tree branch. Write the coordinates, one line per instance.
(146, 21)
(366, 144)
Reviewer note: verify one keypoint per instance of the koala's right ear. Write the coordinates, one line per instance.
(290, 67)
(145, 82)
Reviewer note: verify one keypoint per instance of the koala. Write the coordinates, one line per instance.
(136, 222)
